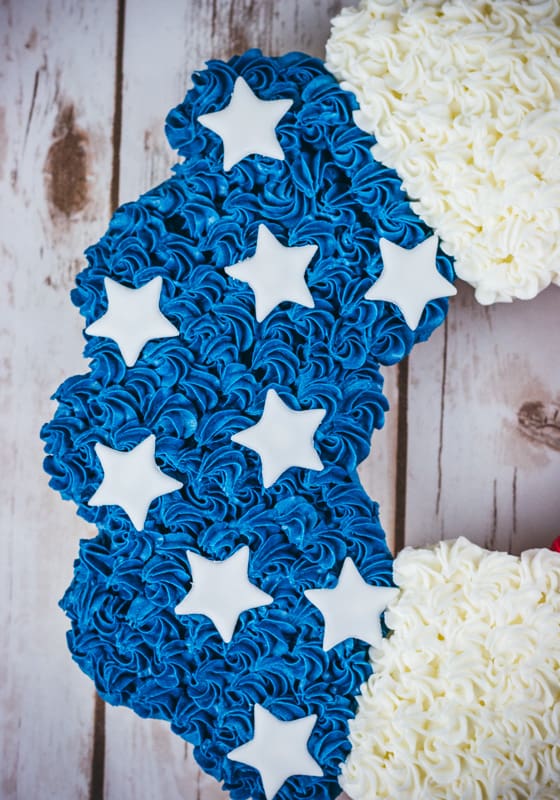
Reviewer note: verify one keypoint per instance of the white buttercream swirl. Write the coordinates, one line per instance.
(464, 100)
(464, 702)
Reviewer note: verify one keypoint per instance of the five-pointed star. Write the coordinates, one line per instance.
(133, 318)
(278, 750)
(247, 125)
(283, 438)
(222, 591)
(275, 273)
(131, 480)
(353, 608)
(410, 278)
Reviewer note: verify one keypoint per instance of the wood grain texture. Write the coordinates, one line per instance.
(483, 426)
(144, 760)
(54, 160)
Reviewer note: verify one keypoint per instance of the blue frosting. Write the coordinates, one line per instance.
(194, 391)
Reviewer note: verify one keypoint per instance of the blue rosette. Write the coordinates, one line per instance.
(196, 390)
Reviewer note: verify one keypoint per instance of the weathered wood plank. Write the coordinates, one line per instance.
(180, 41)
(484, 458)
(144, 760)
(57, 73)
(378, 473)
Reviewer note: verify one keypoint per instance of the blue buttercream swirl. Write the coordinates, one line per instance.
(194, 391)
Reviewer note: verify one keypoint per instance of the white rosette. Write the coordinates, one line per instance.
(464, 701)
(464, 101)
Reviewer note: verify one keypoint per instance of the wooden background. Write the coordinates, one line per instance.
(472, 445)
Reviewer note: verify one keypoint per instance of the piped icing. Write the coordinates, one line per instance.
(195, 394)
(464, 101)
(464, 701)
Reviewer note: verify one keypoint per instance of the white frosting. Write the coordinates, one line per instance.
(465, 698)
(464, 100)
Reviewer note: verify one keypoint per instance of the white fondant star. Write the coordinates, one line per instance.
(247, 125)
(275, 273)
(222, 591)
(278, 750)
(133, 317)
(283, 438)
(352, 609)
(131, 480)
(410, 278)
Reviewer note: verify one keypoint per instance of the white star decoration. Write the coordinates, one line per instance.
(133, 318)
(278, 750)
(410, 279)
(283, 438)
(247, 125)
(131, 480)
(221, 590)
(275, 273)
(352, 609)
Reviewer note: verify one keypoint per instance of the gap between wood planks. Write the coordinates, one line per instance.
(402, 457)
(97, 781)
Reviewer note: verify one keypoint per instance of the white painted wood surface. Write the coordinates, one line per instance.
(466, 463)
(57, 107)
(483, 458)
